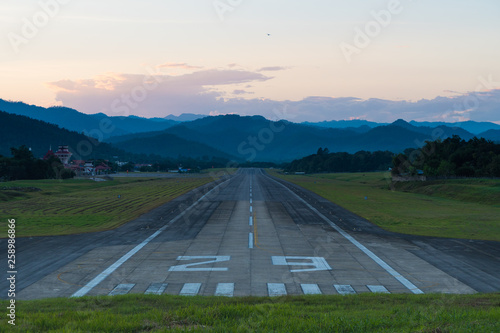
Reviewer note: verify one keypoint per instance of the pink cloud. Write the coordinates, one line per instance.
(158, 95)
(177, 65)
(272, 69)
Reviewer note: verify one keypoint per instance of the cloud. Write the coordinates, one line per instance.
(484, 106)
(155, 95)
(177, 65)
(217, 113)
(203, 91)
(241, 92)
(272, 69)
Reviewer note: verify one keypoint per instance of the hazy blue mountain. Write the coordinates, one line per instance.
(433, 133)
(493, 135)
(355, 123)
(185, 117)
(470, 126)
(18, 130)
(169, 145)
(252, 138)
(97, 125)
(126, 137)
(258, 139)
(134, 124)
(61, 116)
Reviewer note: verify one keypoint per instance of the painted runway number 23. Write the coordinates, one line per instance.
(309, 264)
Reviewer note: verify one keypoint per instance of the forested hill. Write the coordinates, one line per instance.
(451, 157)
(16, 131)
(324, 161)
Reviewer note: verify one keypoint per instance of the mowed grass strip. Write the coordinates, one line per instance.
(468, 209)
(78, 206)
(357, 313)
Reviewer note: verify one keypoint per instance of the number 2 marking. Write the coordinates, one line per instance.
(185, 267)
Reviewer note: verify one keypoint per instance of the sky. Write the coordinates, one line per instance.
(297, 60)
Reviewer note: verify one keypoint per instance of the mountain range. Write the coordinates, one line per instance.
(241, 138)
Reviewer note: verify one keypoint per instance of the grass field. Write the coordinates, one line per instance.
(357, 313)
(468, 209)
(77, 206)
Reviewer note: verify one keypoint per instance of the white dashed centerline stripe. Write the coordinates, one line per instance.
(251, 209)
(250, 240)
(414, 289)
(250, 220)
(104, 274)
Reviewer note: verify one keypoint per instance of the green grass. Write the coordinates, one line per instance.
(219, 172)
(357, 313)
(77, 206)
(468, 209)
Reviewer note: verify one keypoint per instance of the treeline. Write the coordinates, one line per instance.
(23, 165)
(451, 157)
(324, 161)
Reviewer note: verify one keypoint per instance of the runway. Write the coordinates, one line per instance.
(251, 234)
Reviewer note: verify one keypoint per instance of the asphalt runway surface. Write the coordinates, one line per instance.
(250, 234)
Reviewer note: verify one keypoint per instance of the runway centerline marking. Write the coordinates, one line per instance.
(414, 289)
(108, 271)
(256, 238)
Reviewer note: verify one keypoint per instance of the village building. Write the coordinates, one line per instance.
(80, 167)
(63, 154)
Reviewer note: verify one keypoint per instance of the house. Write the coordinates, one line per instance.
(102, 169)
(88, 168)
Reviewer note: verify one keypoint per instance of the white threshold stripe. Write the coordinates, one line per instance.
(310, 289)
(250, 240)
(414, 289)
(225, 289)
(104, 274)
(156, 288)
(344, 289)
(378, 289)
(190, 289)
(276, 289)
(121, 289)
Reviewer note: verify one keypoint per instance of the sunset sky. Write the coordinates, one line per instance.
(299, 60)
